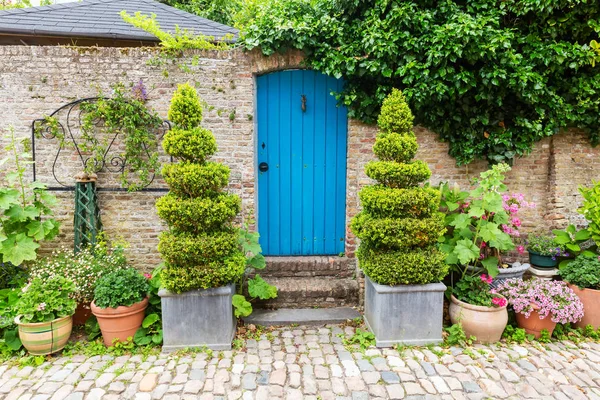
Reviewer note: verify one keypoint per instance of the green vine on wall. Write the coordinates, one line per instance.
(490, 77)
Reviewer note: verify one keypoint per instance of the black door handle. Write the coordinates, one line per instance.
(263, 167)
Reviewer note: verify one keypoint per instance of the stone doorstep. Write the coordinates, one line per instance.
(324, 292)
(302, 316)
(309, 266)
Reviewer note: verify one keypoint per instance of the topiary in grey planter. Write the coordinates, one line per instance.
(404, 314)
(198, 318)
(398, 231)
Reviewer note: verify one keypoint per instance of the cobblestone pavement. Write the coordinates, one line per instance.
(313, 363)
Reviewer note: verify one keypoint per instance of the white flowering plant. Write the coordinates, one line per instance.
(83, 268)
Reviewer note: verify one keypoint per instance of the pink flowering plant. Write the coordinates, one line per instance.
(475, 290)
(83, 268)
(482, 223)
(552, 299)
(43, 301)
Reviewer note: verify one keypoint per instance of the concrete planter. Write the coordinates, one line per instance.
(406, 314)
(198, 318)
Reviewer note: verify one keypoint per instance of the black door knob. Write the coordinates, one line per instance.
(263, 167)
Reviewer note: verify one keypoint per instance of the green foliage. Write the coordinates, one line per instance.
(544, 336)
(9, 337)
(12, 276)
(490, 77)
(151, 333)
(185, 249)
(193, 145)
(399, 226)
(83, 268)
(398, 175)
(241, 306)
(25, 208)
(583, 272)
(198, 214)
(457, 336)
(402, 267)
(544, 245)
(129, 116)
(237, 13)
(178, 279)
(185, 110)
(572, 240)
(397, 233)
(364, 339)
(123, 287)
(190, 179)
(591, 209)
(172, 42)
(46, 301)
(473, 290)
(475, 221)
(515, 335)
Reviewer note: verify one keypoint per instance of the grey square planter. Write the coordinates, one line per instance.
(198, 318)
(405, 314)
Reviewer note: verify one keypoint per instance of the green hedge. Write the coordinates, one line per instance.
(193, 145)
(191, 179)
(399, 233)
(398, 175)
(185, 110)
(188, 250)
(400, 267)
(198, 214)
(203, 276)
(384, 202)
(395, 147)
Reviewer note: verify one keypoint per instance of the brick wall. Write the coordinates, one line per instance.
(34, 81)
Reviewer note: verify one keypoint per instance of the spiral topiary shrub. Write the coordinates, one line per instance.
(201, 249)
(400, 223)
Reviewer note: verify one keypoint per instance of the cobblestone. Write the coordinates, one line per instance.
(310, 363)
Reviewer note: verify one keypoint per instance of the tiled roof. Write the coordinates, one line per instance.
(101, 19)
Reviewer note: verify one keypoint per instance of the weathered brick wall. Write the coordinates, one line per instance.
(34, 81)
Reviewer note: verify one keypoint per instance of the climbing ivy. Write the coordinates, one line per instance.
(490, 77)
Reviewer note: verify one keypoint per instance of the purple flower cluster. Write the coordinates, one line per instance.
(552, 298)
(139, 91)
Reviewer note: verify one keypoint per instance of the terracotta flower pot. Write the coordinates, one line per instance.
(120, 323)
(534, 324)
(485, 323)
(591, 306)
(42, 338)
(82, 314)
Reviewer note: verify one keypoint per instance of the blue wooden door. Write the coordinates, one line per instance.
(302, 142)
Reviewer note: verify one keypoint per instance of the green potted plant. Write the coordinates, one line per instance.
(481, 313)
(120, 299)
(575, 241)
(398, 230)
(482, 224)
(202, 257)
(583, 277)
(83, 268)
(540, 304)
(543, 250)
(44, 314)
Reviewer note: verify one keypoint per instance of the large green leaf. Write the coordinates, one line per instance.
(461, 221)
(258, 288)
(466, 251)
(8, 198)
(141, 337)
(150, 319)
(242, 307)
(491, 265)
(489, 231)
(11, 339)
(257, 262)
(20, 213)
(582, 235)
(18, 248)
(40, 230)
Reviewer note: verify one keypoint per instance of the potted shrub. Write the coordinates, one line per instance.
(583, 277)
(481, 313)
(201, 254)
(120, 299)
(544, 251)
(540, 304)
(83, 268)
(481, 225)
(398, 230)
(44, 314)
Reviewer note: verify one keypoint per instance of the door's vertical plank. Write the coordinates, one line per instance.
(285, 188)
(331, 172)
(341, 149)
(296, 157)
(308, 160)
(320, 165)
(274, 154)
(262, 87)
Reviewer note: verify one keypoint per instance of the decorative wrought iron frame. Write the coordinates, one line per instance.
(114, 164)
